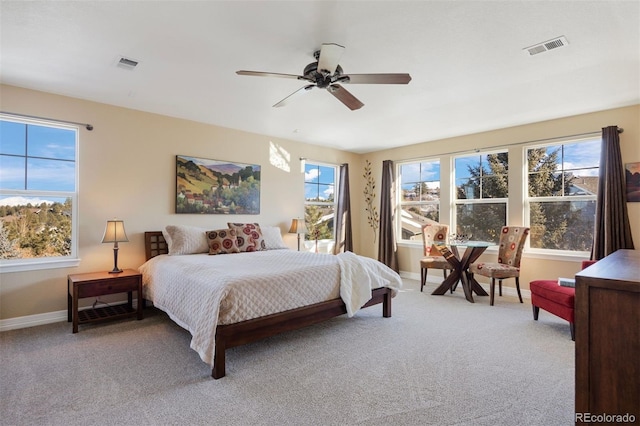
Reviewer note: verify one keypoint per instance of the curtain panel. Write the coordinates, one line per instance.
(344, 238)
(612, 228)
(387, 249)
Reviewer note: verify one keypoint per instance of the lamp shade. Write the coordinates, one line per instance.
(114, 232)
(298, 227)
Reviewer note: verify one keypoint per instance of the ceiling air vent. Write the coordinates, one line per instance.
(127, 63)
(546, 46)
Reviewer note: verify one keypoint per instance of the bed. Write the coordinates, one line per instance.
(215, 297)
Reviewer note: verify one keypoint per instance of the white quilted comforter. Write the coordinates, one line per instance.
(200, 291)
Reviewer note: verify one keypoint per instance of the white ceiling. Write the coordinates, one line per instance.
(466, 58)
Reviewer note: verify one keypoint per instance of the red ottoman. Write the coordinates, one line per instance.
(553, 298)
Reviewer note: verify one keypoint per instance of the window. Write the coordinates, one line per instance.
(481, 192)
(419, 196)
(562, 188)
(38, 198)
(320, 205)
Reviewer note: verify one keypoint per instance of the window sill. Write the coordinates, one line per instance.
(17, 266)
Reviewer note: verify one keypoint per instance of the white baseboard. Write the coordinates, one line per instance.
(437, 279)
(32, 320)
(41, 319)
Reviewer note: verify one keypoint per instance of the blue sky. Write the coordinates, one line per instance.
(53, 170)
(319, 181)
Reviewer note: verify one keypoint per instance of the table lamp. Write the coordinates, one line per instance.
(114, 233)
(298, 227)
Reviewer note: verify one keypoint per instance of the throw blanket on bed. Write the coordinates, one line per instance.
(199, 291)
(359, 276)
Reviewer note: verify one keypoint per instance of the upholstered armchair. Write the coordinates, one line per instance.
(433, 233)
(512, 239)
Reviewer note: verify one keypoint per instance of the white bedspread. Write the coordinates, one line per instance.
(200, 291)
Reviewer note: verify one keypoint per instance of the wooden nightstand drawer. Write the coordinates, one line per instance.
(108, 286)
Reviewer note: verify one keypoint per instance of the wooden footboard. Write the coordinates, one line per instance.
(231, 335)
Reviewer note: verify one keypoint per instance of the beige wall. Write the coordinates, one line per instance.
(532, 268)
(127, 168)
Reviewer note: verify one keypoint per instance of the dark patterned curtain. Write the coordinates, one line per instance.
(387, 250)
(612, 228)
(344, 240)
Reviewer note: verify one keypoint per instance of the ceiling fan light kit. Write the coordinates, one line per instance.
(326, 73)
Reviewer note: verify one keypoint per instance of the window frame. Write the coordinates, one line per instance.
(455, 201)
(400, 203)
(51, 262)
(333, 204)
(527, 199)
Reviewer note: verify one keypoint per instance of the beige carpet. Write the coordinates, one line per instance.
(439, 360)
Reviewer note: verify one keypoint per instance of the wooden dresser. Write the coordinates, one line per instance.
(607, 322)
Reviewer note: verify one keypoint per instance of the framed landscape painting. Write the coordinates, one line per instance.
(207, 186)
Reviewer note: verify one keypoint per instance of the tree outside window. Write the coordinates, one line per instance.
(482, 190)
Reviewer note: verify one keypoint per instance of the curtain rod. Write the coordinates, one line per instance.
(620, 130)
(87, 126)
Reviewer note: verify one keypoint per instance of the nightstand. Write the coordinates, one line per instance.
(99, 284)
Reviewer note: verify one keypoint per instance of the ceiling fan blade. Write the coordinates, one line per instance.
(269, 74)
(375, 78)
(286, 100)
(345, 97)
(330, 54)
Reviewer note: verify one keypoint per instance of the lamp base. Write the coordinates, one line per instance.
(115, 271)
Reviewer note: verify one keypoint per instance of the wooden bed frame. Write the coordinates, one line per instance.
(231, 335)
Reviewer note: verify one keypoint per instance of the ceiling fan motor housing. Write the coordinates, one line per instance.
(321, 79)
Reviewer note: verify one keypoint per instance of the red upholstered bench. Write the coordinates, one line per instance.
(554, 298)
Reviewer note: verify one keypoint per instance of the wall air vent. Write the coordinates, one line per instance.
(546, 46)
(127, 63)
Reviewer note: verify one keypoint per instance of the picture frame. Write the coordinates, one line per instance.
(632, 174)
(207, 186)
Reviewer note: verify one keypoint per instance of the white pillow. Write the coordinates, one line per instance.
(182, 239)
(272, 238)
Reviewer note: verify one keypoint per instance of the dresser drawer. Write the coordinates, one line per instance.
(111, 286)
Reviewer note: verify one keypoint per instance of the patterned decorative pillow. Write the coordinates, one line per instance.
(248, 235)
(272, 238)
(182, 239)
(222, 241)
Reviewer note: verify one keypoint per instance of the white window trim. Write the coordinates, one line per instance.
(336, 187)
(455, 201)
(399, 204)
(22, 265)
(540, 253)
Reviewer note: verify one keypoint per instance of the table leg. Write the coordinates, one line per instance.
(448, 284)
(475, 286)
(74, 308)
(466, 286)
(455, 274)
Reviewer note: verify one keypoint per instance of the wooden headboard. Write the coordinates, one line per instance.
(154, 244)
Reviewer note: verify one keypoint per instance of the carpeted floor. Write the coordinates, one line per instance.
(439, 360)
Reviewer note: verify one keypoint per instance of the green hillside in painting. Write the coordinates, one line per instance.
(216, 187)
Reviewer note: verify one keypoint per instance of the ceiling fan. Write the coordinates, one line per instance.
(326, 73)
